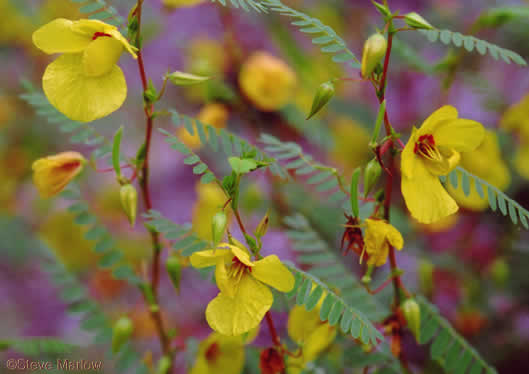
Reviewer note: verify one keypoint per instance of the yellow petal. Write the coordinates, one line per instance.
(301, 323)
(318, 341)
(219, 354)
(237, 315)
(204, 259)
(445, 113)
(463, 135)
(408, 157)
(450, 159)
(394, 237)
(241, 254)
(117, 35)
(91, 26)
(101, 55)
(425, 197)
(51, 174)
(79, 97)
(271, 271)
(224, 282)
(57, 36)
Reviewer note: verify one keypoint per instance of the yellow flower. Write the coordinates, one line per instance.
(267, 81)
(244, 296)
(84, 83)
(214, 114)
(220, 354)
(307, 330)
(486, 163)
(210, 200)
(51, 174)
(516, 118)
(521, 161)
(379, 235)
(181, 3)
(433, 150)
(350, 143)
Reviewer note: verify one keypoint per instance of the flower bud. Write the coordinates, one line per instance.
(163, 365)
(53, 173)
(374, 50)
(129, 201)
(262, 227)
(425, 276)
(371, 175)
(416, 21)
(412, 313)
(499, 271)
(180, 78)
(174, 269)
(121, 333)
(218, 225)
(324, 93)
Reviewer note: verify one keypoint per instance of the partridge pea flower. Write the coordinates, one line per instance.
(220, 354)
(244, 296)
(51, 174)
(84, 83)
(379, 235)
(434, 150)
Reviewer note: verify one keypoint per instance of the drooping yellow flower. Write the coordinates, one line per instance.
(219, 354)
(213, 114)
(486, 163)
(307, 330)
(267, 81)
(379, 235)
(244, 296)
(434, 150)
(84, 83)
(51, 174)
(182, 3)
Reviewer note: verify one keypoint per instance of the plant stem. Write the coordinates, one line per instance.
(146, 194)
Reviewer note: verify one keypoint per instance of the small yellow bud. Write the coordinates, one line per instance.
(53, 173)
(218, 225)
(412, 312)
(371, 175)
(129, 201)
(374, 49)
(262, 227)
(121, 333)
(174, 269)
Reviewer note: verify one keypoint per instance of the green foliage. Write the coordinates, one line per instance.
(245, 4)
(334, 308)
(356, 358)
(325, 263)
(498, 16)
(82, 133)
(38, 347)
(100, 10)
(460, 177)
(470, 43)
(184, 240)
(448, 348)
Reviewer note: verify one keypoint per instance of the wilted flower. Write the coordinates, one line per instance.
(379, 235)
(244, 296)
(267, 81)
(432, 151)
(84, 83)
(51, 174)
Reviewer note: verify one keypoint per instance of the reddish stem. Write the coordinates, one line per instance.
(273, 331)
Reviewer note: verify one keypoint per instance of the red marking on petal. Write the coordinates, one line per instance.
(98, 34)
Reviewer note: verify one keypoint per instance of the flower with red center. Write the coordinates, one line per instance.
(51, 174)
(220, 354)
(434, 150)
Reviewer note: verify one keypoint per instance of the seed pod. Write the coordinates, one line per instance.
(416, 21)
(262, 228)
(218, 225)
(174, 269)
(129, 201)
(324, 93)
(371, 175)
(412, 313)
(374, 49)
(121, 333)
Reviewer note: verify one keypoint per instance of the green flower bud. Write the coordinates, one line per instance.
(262, 227)
(174, 269)
(412, 313)
(371, 175)
(129, 201)
(416, 21)
(324, 93)
(374, 49)
(218, 225)
(163, 365)
(499, 271)
(121, 333)
(425, 275)
(179, 78)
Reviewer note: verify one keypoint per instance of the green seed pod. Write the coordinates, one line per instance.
(163, 365)
(129, 201)
(262, 227)
(174, 269)
(121, 333)
(218, 226)
(416, 21)
(425, 276)
(324, 93)
(372, 174)
(374, 49)
(412, 313)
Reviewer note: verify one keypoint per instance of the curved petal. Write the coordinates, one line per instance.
(271, 271)
(225, 283)
(237, 315)
(241, 254)
(445, 113)
(58, 36)
(301, 323)
(449, 160)
(117, 35)
(408, 158)
(318, 341)
(91, 26)
(204, 259)
(79, 97)
(394, 237)
(101, 55)
(425, 197)
(463, 135)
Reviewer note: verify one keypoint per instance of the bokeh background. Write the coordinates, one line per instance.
(473, 265)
